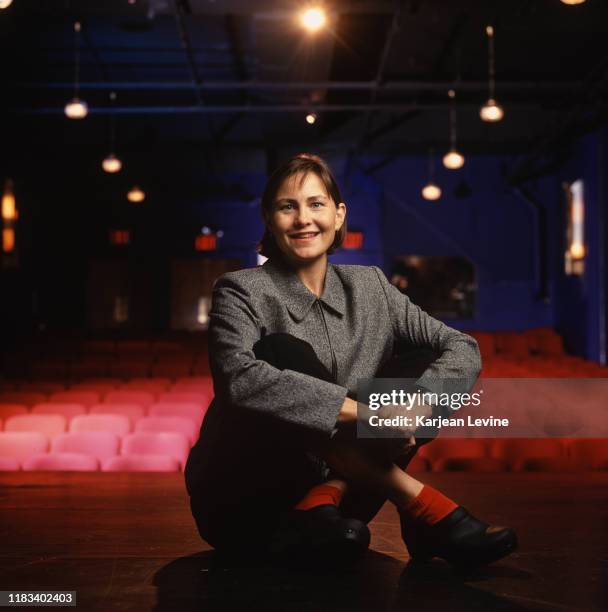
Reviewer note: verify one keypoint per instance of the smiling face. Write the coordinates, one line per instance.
(304, 219)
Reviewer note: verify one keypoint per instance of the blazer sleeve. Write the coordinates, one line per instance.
(254, 386)
(459, 362)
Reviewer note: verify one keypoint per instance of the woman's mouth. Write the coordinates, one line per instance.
(304, 236)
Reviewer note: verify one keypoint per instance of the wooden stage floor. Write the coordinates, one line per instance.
(127, 542)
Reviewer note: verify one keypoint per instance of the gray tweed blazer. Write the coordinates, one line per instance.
(354, 328)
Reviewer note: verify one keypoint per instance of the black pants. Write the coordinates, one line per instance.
(244, 524)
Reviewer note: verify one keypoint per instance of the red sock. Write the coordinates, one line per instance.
(429, 506)
(318, 496)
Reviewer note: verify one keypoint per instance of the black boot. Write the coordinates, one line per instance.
(320, 536)
(459, 538)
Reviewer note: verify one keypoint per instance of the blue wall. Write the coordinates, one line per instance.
(578, 309)
(495, 227)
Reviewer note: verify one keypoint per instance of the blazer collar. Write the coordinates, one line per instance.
(297, 297)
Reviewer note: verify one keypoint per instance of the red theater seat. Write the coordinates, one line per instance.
(531, 454)
(132, 411)
(141, 398)
(486, 344)
(417, 464)
(177, 424)
(145, 443)
(86, 398)
(65, 462)
(43, 387)
(590, 454)
(189, 397)
(69, 411)
(89, 368)
(172, 370)
(130, 368)
(9, 410)
(22, 444)
(26, 398)
(141, 463)
(115, 423)
(102, 388)
(460, 454)
(99, 444)
(190, 411)
(48, 424)
(9, 464)
(150, 385)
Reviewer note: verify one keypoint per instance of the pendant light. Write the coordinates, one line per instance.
(431, 191)
(76, 108)
(453, 159)
(111, 163)
(491, 111)
(136, 195)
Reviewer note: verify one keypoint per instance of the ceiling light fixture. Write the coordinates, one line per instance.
(111, 163)
(491, 111)
(453, 159)
(313, 19)
(4, 4)
(431, 191)
(573, 2)
(76, 108)
(136, 195)
(311, 118)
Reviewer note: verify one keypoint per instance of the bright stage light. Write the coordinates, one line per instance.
(111, 164)
(491, 111)
(431, 191)
(136, 195)
(313, 19)
(453, 160)
(76, 109)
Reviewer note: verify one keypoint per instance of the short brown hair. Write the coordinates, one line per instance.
(302, 163)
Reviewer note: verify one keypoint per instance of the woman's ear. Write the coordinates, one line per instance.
(340, 215)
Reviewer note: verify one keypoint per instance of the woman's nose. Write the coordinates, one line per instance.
(303, 216)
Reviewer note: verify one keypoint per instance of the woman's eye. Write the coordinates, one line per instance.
(286, 207)
(317, 204)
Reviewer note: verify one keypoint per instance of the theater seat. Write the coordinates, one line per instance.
(590, 454)
(86, 398)
(190, 397)
(178, 424)
(114, 423)
(126, 396)
(456, 454)
(170, 444)
(68, 462)
(417, 464)
(190, 411)
(9, 464)
(48, 424)
(132, 411)
(470, 464)
(99, 444)
(531, 454)
(141, 463)
(9, 410)
(69, 411)
(20, 445)
(25, 398)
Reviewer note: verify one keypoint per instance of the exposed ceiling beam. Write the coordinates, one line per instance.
(394, 27)
(395, 86)
(267, 108)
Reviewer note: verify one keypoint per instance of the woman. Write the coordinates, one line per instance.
(278, 466)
